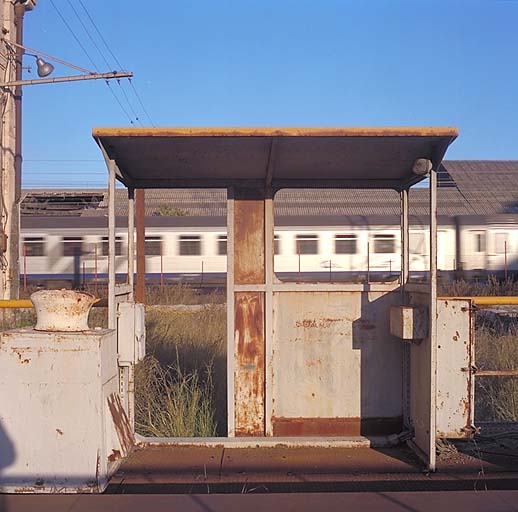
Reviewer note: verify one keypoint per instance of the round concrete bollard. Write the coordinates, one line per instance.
(62, 310)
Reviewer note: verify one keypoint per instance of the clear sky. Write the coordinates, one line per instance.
(270, 63)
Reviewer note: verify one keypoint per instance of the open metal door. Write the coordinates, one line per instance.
(455, 356)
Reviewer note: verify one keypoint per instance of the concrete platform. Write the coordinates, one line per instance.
(184, 469)
(493, 501)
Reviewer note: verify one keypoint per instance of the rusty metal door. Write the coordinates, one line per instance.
(455, 356)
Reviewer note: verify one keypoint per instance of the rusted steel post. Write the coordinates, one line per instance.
(249, 312)
(24, 267)
(95, 269)
(162, 268)
(140, 205)
(368, 263)
(505, 260)
(131, 239)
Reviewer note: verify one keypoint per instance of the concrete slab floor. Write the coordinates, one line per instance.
(184, 469)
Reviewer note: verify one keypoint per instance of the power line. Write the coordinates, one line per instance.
(129, 103)
(141, 103)
(119, 102)
(137, 95)
(74, 35)
(100, 34)
(90, 58)
(88, 34)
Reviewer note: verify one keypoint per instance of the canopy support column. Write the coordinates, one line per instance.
(131, 239)
(433, 314)
(405, 260)
(248, 287)
(112, 307)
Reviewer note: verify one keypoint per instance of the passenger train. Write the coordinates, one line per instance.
(75, 249)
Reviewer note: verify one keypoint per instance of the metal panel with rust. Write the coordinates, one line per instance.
(61, 433)
(332, 354)
(454, 414)
(249, 382)
(249, 257)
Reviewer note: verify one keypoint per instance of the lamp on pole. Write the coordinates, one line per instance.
(11, 54)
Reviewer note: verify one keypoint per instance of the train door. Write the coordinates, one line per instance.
(478, 243)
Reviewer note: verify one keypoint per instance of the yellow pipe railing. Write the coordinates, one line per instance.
(489, 300)
(478, 301)
(27, 303)
(16, 303)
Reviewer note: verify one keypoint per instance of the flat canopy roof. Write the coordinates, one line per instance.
(279, 157)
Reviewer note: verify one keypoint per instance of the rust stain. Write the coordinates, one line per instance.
(122, 423)
(249, 373)
(114, 455)
(353, 426)
(249, 256)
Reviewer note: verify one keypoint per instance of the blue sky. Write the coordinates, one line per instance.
(272, 63)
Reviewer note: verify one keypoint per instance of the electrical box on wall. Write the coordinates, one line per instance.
(131, 332)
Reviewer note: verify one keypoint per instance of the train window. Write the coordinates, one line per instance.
(345, 244)
(501, 243)
(153, 245)
(276, 244)
(105, 245)
(416, 243)
(479, 240)
(34, 246)
(384, 244)
(222, 245)
(307, 244)
(72, 245)
(190, 245)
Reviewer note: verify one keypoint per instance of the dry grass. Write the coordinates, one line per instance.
(488, 287)
(172, 403)
(190, 348)
(496, 348)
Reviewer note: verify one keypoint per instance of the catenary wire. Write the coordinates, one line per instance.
(137, 95)
(91, 60)
(74, 35)
(92, 40)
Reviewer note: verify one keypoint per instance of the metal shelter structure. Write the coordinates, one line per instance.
(312, 359)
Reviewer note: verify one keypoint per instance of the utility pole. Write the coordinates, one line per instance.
(11, 82)
(11, 25)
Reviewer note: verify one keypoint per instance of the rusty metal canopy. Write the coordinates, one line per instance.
(280, 157)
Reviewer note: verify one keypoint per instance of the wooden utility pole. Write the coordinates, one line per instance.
(11, 25)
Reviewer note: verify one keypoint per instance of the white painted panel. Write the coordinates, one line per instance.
(334, 356)
(454, 360)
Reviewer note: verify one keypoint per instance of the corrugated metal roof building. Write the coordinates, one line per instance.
(468, 187)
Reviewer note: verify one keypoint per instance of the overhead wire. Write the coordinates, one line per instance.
(63, 19)
(137, 95)
(103, 57)
(92, 40)
(65, 22)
